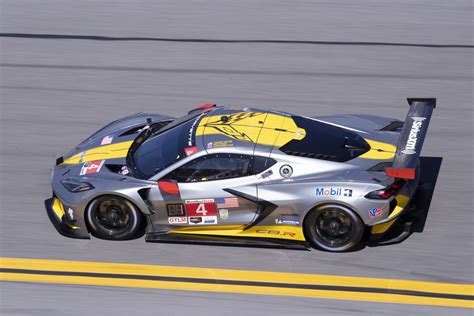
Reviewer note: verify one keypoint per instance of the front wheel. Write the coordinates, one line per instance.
(333, 228)
(114, 218)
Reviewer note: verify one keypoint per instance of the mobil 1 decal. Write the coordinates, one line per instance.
(333, 191)
(201, 212)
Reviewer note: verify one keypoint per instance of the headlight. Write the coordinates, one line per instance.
(76, 186)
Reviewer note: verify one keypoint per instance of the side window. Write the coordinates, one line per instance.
(213, 167)
(261, 164)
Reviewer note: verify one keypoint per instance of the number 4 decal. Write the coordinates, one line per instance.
(201, 209)
(205, 207)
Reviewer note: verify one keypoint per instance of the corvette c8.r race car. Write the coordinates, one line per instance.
(238, 176)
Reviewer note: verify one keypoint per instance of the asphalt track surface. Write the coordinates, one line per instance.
(308, 57)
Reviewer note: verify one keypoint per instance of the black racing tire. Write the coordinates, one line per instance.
(334, 228)
(112, 217)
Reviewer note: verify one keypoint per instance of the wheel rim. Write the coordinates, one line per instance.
(113, 216)
(334, 227)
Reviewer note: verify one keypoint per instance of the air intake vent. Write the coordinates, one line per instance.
(310, 155)
(380, 167)
(393, 126)
(114, 168)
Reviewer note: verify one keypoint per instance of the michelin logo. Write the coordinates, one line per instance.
(410, 146)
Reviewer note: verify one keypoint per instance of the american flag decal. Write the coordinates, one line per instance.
(227, 202)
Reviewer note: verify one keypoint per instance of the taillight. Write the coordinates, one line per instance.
(386, 193)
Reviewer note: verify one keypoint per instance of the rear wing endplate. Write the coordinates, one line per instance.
(411, 138)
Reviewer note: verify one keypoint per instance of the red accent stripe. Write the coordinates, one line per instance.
(400, 173)
(206, 106)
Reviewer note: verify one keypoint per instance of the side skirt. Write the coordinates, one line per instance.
(226, 241)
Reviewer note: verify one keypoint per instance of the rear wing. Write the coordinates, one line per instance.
(411, 138)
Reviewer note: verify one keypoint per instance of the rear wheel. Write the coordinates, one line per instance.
(333, 228)
(114, 218)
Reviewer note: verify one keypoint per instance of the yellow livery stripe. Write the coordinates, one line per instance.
(382, 228)
(58, 208)
(118, 150)
(256, 127)
(402, 201)
(379, 150)
(280, 231)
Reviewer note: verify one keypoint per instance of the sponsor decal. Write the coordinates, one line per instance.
(276, 232)
(70, 212)
(175, 210)
(107, 140)
(81, 157)
(410, 146)
(224, 213)
(191, 130)
(292, 219)
(286, 171)
(231, 202)
(201, 212)
(333, 192)
(203, 220)
(195, 220)
(177, 220)
(204, 207)
(91, 167)
(190, 150)
(220, 144)
(347, 192)
(375, 212)
(210, 220)
(124, 171)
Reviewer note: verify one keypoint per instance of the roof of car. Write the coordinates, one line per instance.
(268, 130)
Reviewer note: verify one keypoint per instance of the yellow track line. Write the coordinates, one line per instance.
(114, 269)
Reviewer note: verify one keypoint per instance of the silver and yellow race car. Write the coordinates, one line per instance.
(242, 176)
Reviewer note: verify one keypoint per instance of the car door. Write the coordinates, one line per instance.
(216, 189)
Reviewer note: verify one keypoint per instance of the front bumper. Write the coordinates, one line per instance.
(64, 226)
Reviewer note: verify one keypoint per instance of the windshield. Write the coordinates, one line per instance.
(162, 150)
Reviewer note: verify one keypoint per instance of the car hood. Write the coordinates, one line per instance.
(109, 145)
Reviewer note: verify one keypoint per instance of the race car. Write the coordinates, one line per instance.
(242, 176)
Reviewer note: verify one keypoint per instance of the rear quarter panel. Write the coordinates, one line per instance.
(294, 197)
